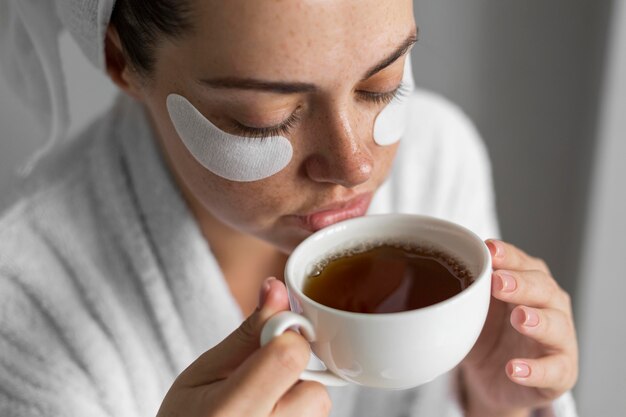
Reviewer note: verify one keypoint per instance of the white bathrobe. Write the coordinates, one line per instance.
(108, 289)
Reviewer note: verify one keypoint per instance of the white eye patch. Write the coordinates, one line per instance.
(391, 121)
(232, 157)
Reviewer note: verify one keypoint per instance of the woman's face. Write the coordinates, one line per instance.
(318, 65)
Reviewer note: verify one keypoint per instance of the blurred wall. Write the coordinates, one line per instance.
(528, 74)
(602, 328)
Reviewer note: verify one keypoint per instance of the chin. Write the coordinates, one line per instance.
(287, 241)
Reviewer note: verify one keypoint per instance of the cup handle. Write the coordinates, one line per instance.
(279, 324)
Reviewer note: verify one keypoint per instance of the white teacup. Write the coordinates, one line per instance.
(394, 350)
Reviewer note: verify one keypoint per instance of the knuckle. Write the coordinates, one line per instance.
(567, 300)
(539, 373)
(247, 331)
(566, 373)
(565, 327)
(290, 352)
(553, 289)
(562, 368)
(219, 410)
(325, 404)
(572, 334)
(573, 374)
(319, 398)
(523, 256)
(561, 298)
(570, 363)
(542, 265)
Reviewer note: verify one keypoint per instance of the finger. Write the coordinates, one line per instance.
(305, 399)
(507, 256)
(532, 288)
(267, 375)
(220, 361)
(552, 328)
(556, 373)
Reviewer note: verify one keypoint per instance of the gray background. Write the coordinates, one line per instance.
(545, 83)
(527, 73)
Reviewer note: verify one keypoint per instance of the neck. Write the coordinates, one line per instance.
(234, 250)
(245, 260)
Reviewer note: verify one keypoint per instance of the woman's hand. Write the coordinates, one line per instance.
(527, 354)
(238, 378)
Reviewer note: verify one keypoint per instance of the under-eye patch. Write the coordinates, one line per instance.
(233, 157)
(391, 122)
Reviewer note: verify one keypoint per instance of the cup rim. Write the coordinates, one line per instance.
(482, 274)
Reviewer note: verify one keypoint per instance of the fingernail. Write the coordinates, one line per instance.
(495, 248)
(265, 289)
(532, 318)
(505, 282)
(520, 370)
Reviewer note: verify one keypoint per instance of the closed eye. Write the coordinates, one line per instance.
(283, 128)
(399, 92)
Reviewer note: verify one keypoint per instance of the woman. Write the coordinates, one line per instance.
(127, 268)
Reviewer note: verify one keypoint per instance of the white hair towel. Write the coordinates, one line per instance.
(31, 61)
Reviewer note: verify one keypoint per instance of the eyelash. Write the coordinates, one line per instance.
(284, 127)
(399, 92)
(265, 132)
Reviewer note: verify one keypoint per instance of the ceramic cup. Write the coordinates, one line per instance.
(394, 350)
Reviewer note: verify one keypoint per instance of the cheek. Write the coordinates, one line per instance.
(247, 206)
(244, 205)
(384, 157)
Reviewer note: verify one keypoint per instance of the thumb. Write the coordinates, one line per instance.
(220, 361)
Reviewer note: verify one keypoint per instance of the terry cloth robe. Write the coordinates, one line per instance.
(108, 289)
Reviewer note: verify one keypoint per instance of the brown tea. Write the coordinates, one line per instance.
(387, 279)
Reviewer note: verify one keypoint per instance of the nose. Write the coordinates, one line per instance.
(341, 156)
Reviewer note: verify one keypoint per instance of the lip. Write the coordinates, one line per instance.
(335, 212)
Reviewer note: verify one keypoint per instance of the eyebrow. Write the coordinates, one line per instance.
(280, 87)
(393, 57)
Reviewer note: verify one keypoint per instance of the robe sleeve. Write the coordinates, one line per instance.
(39, 374)
(48, 367)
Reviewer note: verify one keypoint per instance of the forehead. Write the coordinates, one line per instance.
(289, 39)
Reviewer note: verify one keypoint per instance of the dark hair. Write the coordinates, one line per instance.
(141, 23)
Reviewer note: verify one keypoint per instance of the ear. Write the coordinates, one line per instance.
(117, 66)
